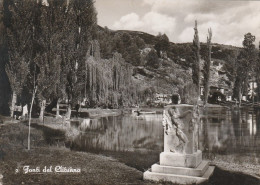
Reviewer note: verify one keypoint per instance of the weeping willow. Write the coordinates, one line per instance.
(108, 82)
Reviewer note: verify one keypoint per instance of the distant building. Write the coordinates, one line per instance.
(163, 98)
(229, 98)
(252, 86)
(214, 91)
(183, 59)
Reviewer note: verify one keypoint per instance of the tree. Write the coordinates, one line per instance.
(230, 66)
(22, 48)
(196, 60)
(125, 44)
(105, 40)
(257, 72)
(20, 32)
(152, 59)
(49, 53)
(245, 62)
(4, 84)
(30, 113)
(78, 29)
(132, 54)
(139, 42)
(107, 82)
(162, 44)
(207, 67)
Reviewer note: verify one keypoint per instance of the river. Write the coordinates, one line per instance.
(138, 140)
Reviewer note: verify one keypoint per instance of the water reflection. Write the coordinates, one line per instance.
(234, 132)
(121, 133)
(222, 131)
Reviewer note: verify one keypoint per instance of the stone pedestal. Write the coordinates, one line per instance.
(181, 162)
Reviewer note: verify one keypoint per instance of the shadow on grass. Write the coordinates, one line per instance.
(51, 136)
(224, 177)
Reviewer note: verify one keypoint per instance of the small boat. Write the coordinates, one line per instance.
(139, 112)
(148, 112)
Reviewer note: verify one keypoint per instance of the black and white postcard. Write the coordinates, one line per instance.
(144, 92)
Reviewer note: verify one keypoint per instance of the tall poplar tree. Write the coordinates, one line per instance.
(245, 61)
(196, 59)
(79, 28)
(20, 33)
(206, 70)
(49, 55)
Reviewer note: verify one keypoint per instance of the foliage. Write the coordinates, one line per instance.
(206, 71)
(257, 72)
(162, 43)
(4, 84)
(60, 42)
(108, 82)
(49, 56)
(196, 59)
(125, 44)
(189, 93)
(245, 62)
(152, 59)
(230, 66)
(78, 29)
(20, 40)
(216, 97)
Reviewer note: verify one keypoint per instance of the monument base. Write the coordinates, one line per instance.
(180, 175)
(181, 160)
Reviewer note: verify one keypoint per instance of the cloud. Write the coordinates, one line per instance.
(229, 20)
(129, 21)
(173, 7)
(201, 17)
(151, 22)
(186, 34)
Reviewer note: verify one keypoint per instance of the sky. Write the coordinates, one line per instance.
(229, 20)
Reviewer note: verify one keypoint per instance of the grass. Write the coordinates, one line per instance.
(95, 169)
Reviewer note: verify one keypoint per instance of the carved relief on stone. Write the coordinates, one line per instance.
(181, 130)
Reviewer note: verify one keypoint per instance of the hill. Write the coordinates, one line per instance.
(163, 66)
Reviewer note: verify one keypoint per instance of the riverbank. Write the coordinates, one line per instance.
(95, 169)
(93, 113)
(87, 112)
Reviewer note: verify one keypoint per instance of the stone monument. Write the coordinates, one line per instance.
(181, 161)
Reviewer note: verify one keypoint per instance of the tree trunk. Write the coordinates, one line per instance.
(13, 104)
(253, 94)
(206, 94)
(51, 105)
(30, 117)
(43, 104)
(25, 111)
(239, 96)
(68, 113)
(58, 109)
(258, 90)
